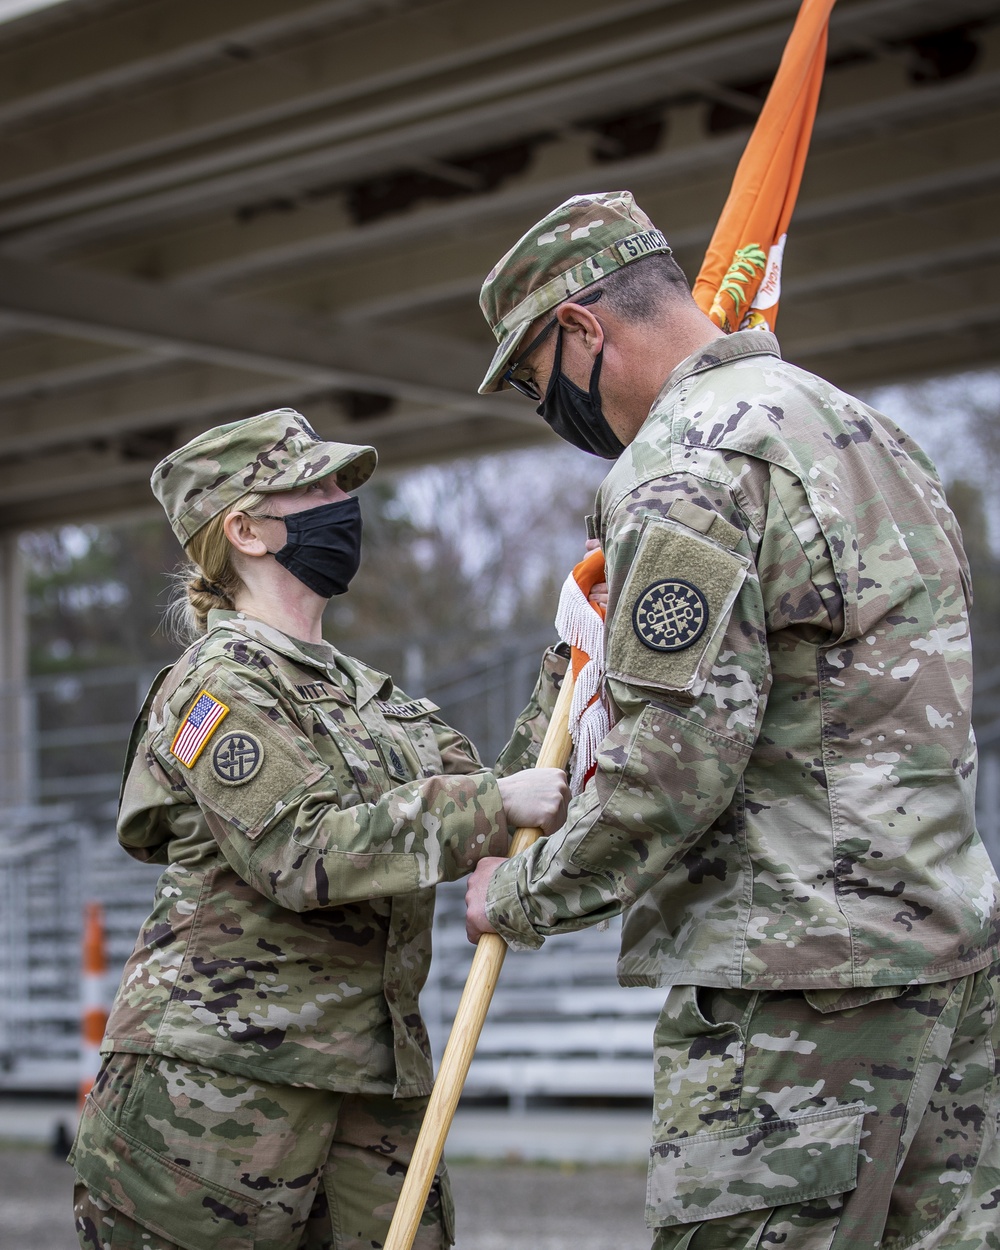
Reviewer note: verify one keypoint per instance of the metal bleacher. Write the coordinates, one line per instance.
(560, 1026)
(50, 865)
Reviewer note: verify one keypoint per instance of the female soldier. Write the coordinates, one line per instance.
(266, 1064)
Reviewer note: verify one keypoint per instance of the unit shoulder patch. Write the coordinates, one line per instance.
(237, 758)
(670, 615)
(256, 768)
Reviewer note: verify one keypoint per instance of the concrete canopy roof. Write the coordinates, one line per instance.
(211, 209)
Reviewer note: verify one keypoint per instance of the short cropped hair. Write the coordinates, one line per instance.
(638, 291)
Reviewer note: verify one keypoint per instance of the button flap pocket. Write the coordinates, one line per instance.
(170, 1200)
(250, 766)
(753, 1167)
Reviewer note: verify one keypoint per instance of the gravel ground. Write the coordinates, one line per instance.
(507, 1206)
(501, 1206)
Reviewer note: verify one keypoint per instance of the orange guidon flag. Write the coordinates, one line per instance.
(581, 623)
(740, 279)
(738, 287)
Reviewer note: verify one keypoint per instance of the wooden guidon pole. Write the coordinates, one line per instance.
(468, 1023)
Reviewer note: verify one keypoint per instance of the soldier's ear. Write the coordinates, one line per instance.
(578, 319)
(243, 534)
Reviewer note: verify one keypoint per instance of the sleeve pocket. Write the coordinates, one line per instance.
(253, 767)
(670, 618)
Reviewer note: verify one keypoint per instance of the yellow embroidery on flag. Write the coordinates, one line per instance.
(204, 717)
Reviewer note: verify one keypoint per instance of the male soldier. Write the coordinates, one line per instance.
(784, 806)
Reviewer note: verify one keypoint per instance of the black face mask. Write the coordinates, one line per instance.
(576, 415)
(323, 547)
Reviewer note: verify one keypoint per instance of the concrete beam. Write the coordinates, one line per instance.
(153, 44)
(904, 215)
(155, 400)
(862, 302)
(876, 335)
(86, 483)
(361, 108)
(417, 368)
(881, 246)
(73, 64)
(218, 257)
(551, 91)
(68, 370)
(930, 351)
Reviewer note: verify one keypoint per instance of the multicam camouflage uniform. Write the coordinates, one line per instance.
(784, 807)
(267, 1064)
(354, 801)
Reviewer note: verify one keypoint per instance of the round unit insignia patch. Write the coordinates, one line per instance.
(237, 758)
(670, 615)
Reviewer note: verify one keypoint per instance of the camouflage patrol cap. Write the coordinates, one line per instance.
(584, 239)
(273, 452)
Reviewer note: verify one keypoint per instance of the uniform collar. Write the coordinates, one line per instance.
(721, 351)
(367, 682)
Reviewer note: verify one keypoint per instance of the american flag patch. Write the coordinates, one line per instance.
(201, 722)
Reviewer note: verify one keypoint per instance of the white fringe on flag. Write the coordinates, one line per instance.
(582, 627)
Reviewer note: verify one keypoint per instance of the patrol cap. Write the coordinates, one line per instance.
(276, 451)
(581, 241)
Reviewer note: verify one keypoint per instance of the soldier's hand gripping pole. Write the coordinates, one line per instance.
(468, 1024)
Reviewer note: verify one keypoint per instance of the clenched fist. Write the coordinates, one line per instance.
(476, 923)
(535, 799)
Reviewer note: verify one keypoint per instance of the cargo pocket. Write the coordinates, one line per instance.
(754, 1167)
(716, 1151)
(168, 1199)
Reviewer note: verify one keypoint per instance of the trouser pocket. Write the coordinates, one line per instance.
(736, 1129)
(754, 1167)
(119, 1156)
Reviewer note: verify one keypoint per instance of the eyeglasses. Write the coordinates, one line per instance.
(523, 385)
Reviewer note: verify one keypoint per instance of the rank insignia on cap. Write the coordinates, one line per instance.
(670, 615)
(237, 758)
(203, 718)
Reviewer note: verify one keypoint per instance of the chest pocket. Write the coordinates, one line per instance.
(347, 744)
(409, 734)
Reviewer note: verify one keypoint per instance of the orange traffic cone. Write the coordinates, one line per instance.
(93, 986)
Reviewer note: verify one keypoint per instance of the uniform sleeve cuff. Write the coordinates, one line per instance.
(506, 912)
